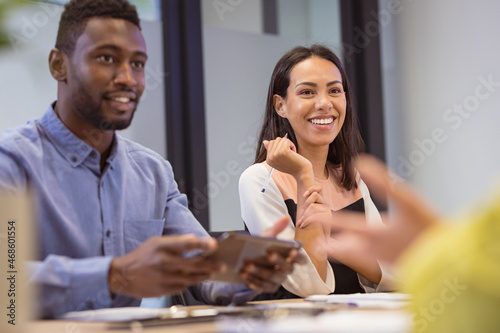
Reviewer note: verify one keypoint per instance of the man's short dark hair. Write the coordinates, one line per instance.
(77, 13)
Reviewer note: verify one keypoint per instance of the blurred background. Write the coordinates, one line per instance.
(425, 74)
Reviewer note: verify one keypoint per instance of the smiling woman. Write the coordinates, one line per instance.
(309, 98)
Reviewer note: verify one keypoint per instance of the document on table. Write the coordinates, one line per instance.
(129, 314)
(342, 321)
(368, 300)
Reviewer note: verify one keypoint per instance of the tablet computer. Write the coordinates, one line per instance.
(236, 249)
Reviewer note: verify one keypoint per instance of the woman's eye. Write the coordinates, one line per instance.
(336, 91)
(306, 92)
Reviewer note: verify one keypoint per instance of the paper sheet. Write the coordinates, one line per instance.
(368, 300)
(336, 321)
(122, 314)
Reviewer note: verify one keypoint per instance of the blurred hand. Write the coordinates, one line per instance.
(158, 267)
(268, 278)
(337, 246)
(409, 217)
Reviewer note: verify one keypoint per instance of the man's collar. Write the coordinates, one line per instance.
(75, 150)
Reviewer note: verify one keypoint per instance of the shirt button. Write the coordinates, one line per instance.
(108, 233)
(92, 154)
(89, 304)
(74, 159)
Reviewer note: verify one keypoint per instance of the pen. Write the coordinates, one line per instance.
(266, 182)
(349, 304)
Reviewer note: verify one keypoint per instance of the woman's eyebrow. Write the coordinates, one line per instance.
(305, 83)
(333, 82)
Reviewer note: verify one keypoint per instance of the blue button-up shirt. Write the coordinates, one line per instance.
(86, 217)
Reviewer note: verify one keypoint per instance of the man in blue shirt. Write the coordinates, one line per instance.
(112, 224)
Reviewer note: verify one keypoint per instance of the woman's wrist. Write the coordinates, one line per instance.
(305, 177)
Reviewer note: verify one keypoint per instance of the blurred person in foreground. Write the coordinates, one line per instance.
(450, 267)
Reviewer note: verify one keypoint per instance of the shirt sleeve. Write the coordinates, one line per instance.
(260, 211)
(65, 284)
(12, 172)
(180, 220)
(218, 293)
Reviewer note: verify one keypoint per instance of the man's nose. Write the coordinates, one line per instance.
(125, 76)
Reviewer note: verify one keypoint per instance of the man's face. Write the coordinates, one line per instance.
(106, 73)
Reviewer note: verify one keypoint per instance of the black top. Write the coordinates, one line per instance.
(346, 279)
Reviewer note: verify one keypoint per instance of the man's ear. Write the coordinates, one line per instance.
(279, 105)
(58, 64)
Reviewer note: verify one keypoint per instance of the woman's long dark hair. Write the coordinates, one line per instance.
(348, 142)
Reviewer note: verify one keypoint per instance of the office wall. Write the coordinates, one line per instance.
(442, 96)
(237, 15)
(310, 20)
(235, 92)
(27, 88)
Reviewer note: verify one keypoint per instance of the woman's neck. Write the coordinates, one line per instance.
(317, 157)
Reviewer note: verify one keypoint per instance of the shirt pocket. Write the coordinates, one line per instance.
(137, 232)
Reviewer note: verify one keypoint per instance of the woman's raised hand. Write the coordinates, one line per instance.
(282, 155)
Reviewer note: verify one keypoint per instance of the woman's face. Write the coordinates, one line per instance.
(315, 104)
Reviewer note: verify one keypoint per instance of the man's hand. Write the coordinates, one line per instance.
(263, 278)
(157, 267)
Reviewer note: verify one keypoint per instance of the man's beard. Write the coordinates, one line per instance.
(91, 111)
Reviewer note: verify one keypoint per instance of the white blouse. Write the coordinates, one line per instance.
(261, 210)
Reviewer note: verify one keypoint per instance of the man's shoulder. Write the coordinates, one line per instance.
(139, 153)
(24, 135)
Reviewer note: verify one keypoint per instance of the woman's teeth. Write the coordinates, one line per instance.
(322, 121)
